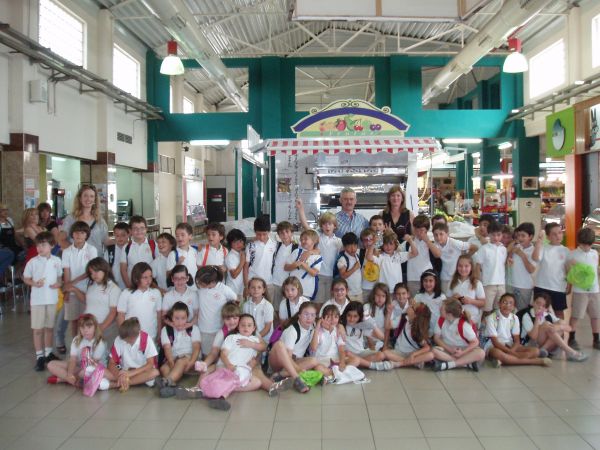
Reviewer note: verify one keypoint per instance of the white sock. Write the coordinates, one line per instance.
(47, 351)
(39, 354)
(150, 383)
(104, 385)
(451, 364)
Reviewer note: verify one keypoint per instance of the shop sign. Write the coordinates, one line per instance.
(560, 133)
(595, 128)
(350, 118)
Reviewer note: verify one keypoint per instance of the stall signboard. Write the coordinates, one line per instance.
(560, 133)
(350, 118)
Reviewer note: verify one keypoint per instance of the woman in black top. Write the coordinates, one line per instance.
(395, 215)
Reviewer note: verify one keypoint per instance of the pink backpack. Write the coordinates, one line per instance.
(91, 378)
(220, 383)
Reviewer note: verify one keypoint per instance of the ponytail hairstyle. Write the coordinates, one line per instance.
(296, 316)
(177, 306)
(208, 275)
(454, 308)
(419, 328)
(99, 265)
(371, 300)
(437, 290)
(357, 307)
(472, 278)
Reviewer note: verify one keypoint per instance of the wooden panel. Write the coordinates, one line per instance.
(573, 197)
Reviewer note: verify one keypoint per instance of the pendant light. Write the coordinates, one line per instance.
(171, 65)
(516, 61)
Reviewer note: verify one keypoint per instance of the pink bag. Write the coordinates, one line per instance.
(220, 383)
(92, 373)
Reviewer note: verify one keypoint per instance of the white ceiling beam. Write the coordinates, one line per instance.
(318, 91)
(312, 35)
(308, 75)
(354, 36)
(430, 39)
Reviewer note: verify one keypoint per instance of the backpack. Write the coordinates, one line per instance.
(461, 324)
(206, 248)
(279, 244)
(151, 243)
(143, 345)
(521, 313)
(336, 270)
(315, 262)
(275, 336)
(171, 335)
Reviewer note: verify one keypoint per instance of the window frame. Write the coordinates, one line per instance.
(542, 53)
(119, 48)
(84, 31)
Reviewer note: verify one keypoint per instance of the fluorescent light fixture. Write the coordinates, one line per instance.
(541, 178)
(579, 82)
(476, 180)
(171, 65)
(48, 170)
(504, 145)
(58, 159)
(502, 177)
(112, 169)
(515, 63)
(210, 142)
(476, 155)
(515, 111)
(462, 141)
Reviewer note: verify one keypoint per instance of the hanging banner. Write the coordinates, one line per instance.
(560, 133)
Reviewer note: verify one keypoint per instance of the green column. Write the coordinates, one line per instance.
(464, 176)
(526, 160)
(489, 162)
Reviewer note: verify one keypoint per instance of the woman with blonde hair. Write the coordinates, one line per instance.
(86, 208)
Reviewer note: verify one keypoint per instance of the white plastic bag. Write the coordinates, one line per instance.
(350, 375)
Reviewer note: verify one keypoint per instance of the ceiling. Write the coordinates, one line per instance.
(255, 28)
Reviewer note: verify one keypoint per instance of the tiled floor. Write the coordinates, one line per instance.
(517, 408)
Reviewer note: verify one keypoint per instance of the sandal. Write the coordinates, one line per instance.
(280, 386)
(276, 377)
(300, 386)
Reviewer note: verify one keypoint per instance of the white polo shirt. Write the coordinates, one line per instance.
(405, 343)
(420, 263)
(330, 247)
(328, 343)
(99, 299)
(552, 273)
(355, 337)
(262, 312)
(294, 307)
(501, 327)
(210, 302)
(390, 268)
(182, 341)
(332, 301)
(492, 259)
(189, 297)
(116, 266)
(237, 355)
(289, 336)
(216, 255)
(50, 270)
(281, 256)
(308, 282)
(450, 335)
(143, 305)
(464, 289)
(347, 262)
(434, 304)
(131, 356)
(259, 257)
(527, 324)
(137, 253)
(521, 278)
(76, 260)
(450, 254)
(98, 355)
(159, 270)
(191, 261)
(232, 261)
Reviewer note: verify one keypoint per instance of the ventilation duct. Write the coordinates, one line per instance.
(512, 15)
(178, 21)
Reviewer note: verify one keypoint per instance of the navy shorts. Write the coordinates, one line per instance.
(559, 299)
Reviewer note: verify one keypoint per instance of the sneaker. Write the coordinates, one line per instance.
(496, 363)
(52, 357)
(596, 345)
(40, 363)
(104, 385)
(474, 366)
(577, 357)
(192, 393)
(219, 403)
(437, 366)
(383, 365)
(52, 379)
(150, 383)
(327, 380)
(546, 362)
(166, 392)
(280, 386)
(543, 353)
(420, 366)
(161, 382)
(574, 344)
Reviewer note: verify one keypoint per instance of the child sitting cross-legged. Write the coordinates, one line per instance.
(504, 344)
(180, 346)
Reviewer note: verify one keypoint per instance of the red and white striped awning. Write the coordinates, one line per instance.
(351, 145)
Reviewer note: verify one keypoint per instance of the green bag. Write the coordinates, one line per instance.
(311, 377)
(582, 276)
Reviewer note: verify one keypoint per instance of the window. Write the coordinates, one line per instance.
(596, 41)
(547, 69)
(126, 71)
(62, 31)
(188, 106)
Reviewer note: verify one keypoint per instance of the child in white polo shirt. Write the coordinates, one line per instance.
(349, 267)
(523, 265)
(132, 357)
(391, 258)
(451, 249)
(143, 301)
(422, 261)
(214, 253)
(43, 273)
(491, 262)
(140, 249)
(305, 265)
(235, 261)
(283, 250)
(181, 292)
(259, 254)
(184, 253)
(259, 307)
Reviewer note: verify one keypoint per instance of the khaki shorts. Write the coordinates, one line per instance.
(366, 294)
(493, 292)
(73, 308)
(582, 303)
(43, 316)
(277, 297)
(356, 298)
(413, 287)
(324, 292)
(271, 291)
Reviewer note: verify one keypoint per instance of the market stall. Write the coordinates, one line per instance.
(349, 143)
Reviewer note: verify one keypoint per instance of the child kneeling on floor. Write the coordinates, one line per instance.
(456, 340)
(132, 357)
(181, 348)
(503, 332)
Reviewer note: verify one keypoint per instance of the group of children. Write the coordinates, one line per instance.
(165, 308)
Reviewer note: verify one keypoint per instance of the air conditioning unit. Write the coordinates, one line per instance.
(38, 91)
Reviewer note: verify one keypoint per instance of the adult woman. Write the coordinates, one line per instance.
(395, 215)
(86, 207)
(464, 208)
(45, 215)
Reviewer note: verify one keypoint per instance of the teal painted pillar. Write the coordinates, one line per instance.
(157, 93)
(464, 176)
(526, 171)
(489, 163)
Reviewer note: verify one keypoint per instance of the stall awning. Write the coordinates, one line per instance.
(351, 145)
